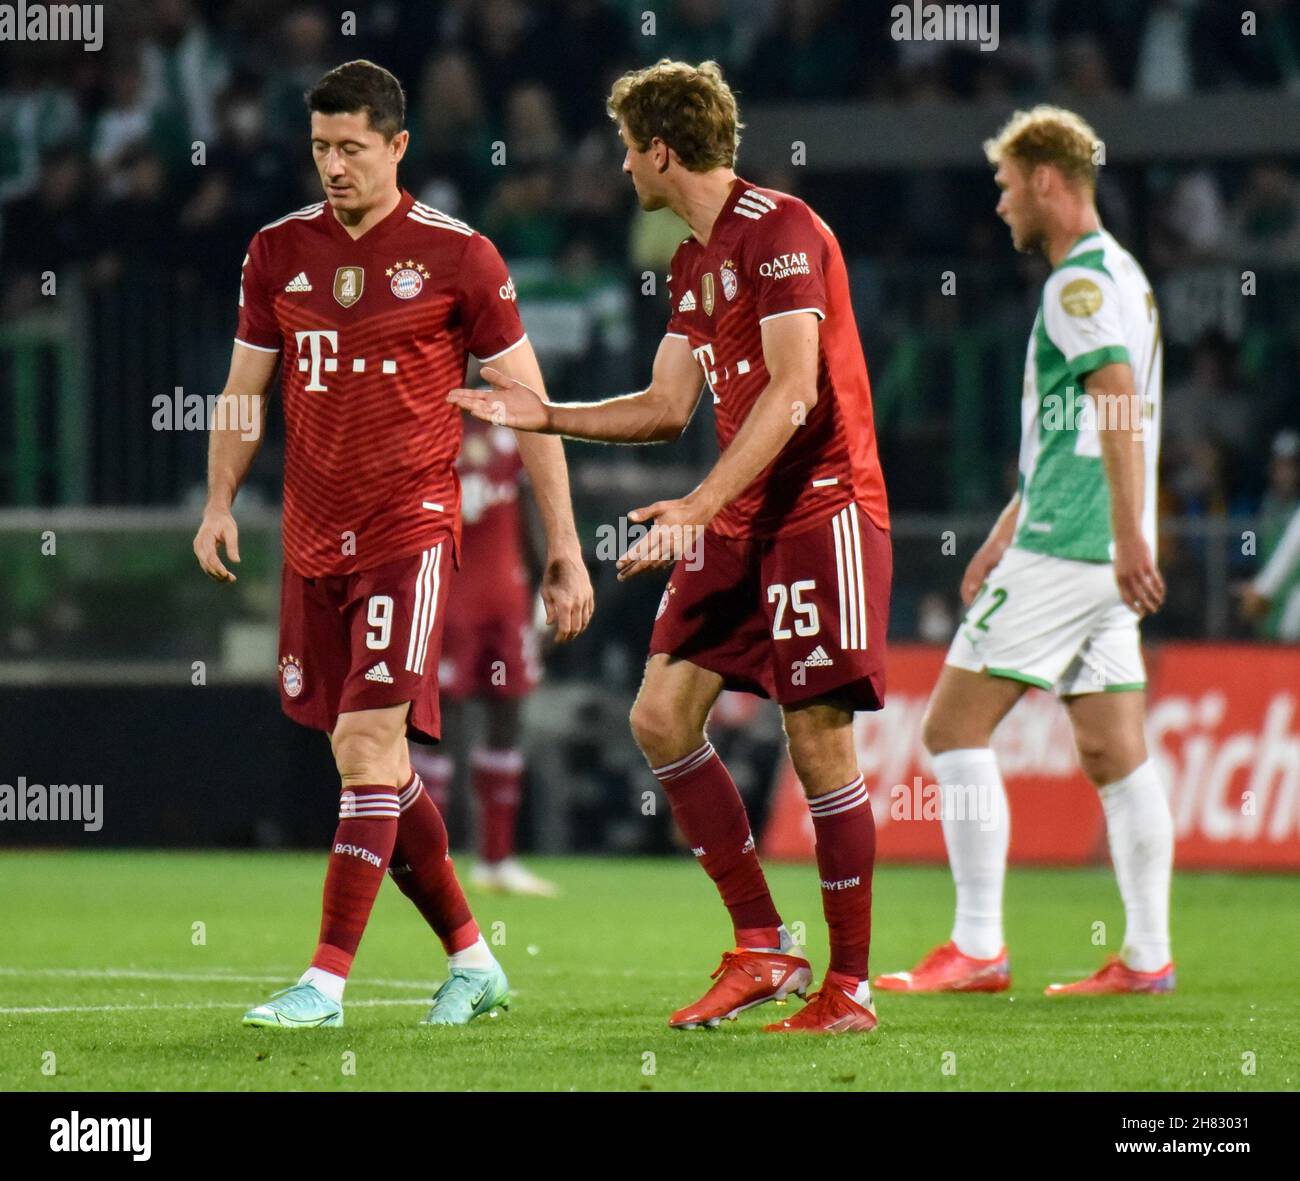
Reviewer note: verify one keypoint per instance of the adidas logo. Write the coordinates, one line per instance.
(299, 282)
(817, 658)
(687, 302)
(380, 673)
(748, 846)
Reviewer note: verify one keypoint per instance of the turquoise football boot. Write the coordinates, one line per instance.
(468, 993)
(303, 1006)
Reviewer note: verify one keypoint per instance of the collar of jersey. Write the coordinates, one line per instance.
(380, 229)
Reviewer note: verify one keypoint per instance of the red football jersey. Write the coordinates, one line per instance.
(374, 333)
(770, 255)
(493, 578)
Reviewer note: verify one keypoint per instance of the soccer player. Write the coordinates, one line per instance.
(781, 556)
(374, 301)
(1056, 592)
(489, 653)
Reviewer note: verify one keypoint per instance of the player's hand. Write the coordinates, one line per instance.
(507, 403)
(1253, 605)
(1140, 584)
(567, 596)
(676, 531)
(217, 528)
(979, 568)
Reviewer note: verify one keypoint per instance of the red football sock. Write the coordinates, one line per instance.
(709, 811)
(423, 870)
(846, 855)
(437, 770)
(497, 776)
(363, 843)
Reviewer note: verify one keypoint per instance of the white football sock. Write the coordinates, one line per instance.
(326, 982)
(977, 831)
(476, 955)
(1140, 829)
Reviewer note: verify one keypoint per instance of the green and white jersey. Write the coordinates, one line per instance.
(1097, 308)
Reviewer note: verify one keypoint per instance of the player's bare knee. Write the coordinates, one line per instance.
(661, 735)
(940, 732)
(363, 756)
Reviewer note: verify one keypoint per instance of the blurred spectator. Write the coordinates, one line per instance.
(304, 51)
(35, 114)
(806, 55)
(1209, 404)
(1264, 223)
(130, 120)
(1255, 46)
(1165, 63)
(696, 31)
(451, 134)
(49, 230)
(521, 217)
(1190, 221)
(1273, 597)
(184, 70)
(245, 182)
(1083, 71)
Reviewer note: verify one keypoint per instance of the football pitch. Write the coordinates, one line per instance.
(130, 971)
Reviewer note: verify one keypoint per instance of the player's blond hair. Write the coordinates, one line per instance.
(690, 108)
(1048, 135)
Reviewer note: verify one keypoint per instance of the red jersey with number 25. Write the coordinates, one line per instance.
(373, 332)
(770, 255)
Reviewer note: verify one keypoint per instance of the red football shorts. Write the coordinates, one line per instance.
(792, 618)
(494, 656)
(365, 641)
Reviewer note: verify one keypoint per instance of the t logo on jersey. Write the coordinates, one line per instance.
(314, 340)
(348, 285)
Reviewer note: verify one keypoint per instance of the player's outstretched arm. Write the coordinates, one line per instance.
(233, 443)
(1122, 434)
(657, 414)
(565, 584)
(790, 350)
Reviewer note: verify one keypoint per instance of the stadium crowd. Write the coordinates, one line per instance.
(98, 175)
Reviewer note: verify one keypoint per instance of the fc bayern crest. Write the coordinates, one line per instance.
(291, 676)
(729, 284)
(407, 278)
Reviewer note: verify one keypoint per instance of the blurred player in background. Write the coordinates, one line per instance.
(1056, 592)
(1272, 597)
(375, 301)
(489, 652)
(782, 554)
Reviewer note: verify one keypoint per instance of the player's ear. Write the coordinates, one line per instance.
(399, 144)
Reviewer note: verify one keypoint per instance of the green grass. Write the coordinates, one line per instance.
(596, 974)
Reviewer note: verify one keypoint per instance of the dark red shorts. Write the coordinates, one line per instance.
(792, 618)
(494, 656)
(365, 641)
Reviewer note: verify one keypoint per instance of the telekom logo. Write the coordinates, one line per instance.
(316, 362)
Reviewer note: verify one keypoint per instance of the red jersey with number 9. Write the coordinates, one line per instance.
(373, 332)
(770, 255)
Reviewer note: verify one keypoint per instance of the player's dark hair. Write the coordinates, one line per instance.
(358, 86)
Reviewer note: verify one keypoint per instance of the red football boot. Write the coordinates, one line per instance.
(829, 1010)
(745, 979)
(1115, 977)
(947, 969)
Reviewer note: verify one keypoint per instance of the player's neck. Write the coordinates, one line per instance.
(700, 199)
(1069, 230)
(358, 221)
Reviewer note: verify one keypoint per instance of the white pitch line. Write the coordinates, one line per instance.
(45, 1009)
